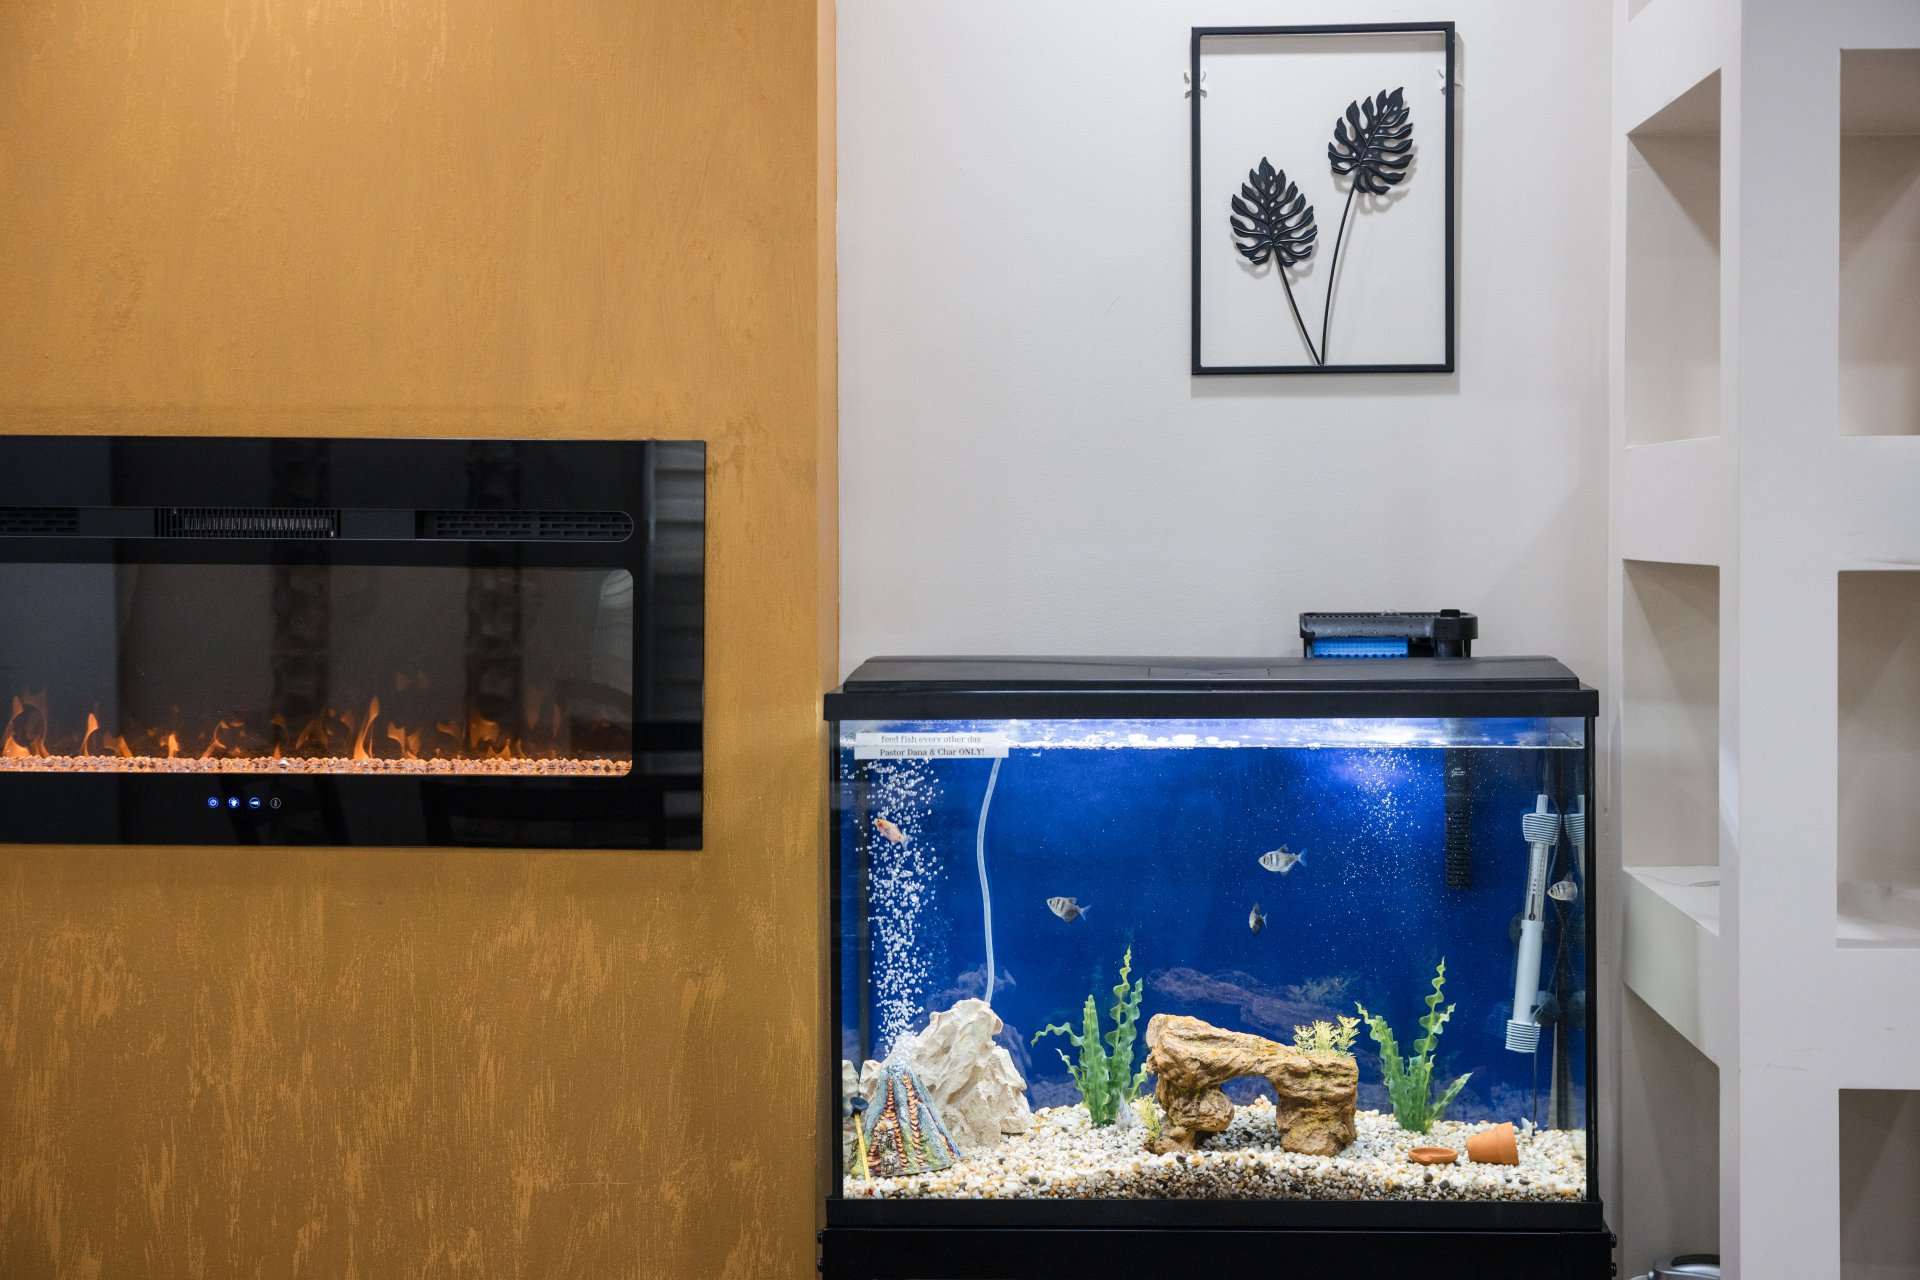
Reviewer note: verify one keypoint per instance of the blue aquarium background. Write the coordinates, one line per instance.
(1156, 830)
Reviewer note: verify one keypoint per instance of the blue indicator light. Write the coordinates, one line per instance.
(253, 802)
(233, 802)
(213, 802)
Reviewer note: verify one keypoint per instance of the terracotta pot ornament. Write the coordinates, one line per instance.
(1494, 1146)
(1433, 1155)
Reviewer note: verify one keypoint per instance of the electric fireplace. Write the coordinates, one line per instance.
(351, 642)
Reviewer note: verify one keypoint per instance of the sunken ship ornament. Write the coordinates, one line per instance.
(905, 1134)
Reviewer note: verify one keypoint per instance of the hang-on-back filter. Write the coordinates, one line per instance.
(1446, 634)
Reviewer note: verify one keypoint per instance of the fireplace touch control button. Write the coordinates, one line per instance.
(275, 802)
(213, 802)
(253, 802)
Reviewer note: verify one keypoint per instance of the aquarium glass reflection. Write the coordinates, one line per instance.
(1354, 959)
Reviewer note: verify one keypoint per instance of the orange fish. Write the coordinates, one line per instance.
(890, 831)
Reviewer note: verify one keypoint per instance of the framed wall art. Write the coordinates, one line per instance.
(1323, 199)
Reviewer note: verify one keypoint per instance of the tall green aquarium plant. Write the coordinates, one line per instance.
(1105, 1076)
(1410, 1079)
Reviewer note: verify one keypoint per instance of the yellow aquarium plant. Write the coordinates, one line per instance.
(1324, 1037)
(1409, 1080)
(1149, 1116)
(860, 1161)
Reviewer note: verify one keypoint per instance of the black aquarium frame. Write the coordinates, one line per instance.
(1045, 1239)
(479, 503)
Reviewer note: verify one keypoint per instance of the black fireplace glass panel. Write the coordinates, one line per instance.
(374, 642)
(317, 669)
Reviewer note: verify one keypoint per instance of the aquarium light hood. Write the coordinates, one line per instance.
(1209, 689)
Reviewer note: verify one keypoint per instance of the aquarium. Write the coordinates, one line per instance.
(1113, 939)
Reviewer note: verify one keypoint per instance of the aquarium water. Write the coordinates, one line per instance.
(1049, 850)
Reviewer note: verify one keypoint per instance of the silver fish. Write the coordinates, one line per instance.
(1563, 890)
(1066, 908)
(1281, 859)
(1255, 921)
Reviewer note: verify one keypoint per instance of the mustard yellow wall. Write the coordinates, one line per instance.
(553, 218)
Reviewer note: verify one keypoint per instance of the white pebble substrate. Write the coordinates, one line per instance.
(1064, 1157)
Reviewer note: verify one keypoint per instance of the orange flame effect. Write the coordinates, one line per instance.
(10, 748)
(360, 751)
(479, 745)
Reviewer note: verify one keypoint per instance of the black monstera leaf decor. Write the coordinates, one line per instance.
(1273, 222)
(1278, 220)
(1373, 148)
(1374, 142)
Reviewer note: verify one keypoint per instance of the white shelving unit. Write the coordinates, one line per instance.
(1764, 690)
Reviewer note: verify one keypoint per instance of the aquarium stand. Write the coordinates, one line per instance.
(935, 1253)
(1046, 1240)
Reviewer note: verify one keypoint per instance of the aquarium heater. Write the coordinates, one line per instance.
(1542, 830)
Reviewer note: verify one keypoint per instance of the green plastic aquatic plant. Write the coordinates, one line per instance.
(1105, 1077)
(1409, 1080)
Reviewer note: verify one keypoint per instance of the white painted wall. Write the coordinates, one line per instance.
(1026, 464)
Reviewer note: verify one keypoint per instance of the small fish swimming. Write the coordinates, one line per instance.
(1563, 890)
(1255, 921)
(1066, 908)
(890, 831)
(1281, 859)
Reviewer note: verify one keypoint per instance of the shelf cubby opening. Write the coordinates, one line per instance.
(1673, 270)
(1879, 1184)
(1879, 739)
(1670, 715)
(1879, 242)
(1669, 1141)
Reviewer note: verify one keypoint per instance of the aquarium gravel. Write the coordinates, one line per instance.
(1065, 1157)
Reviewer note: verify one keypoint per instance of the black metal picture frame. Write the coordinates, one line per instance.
(1273, 221)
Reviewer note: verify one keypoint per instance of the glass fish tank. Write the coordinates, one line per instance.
(1165, 943)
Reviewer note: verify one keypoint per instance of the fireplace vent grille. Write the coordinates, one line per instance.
(246, 522)
(527, 526)
(39, 521)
